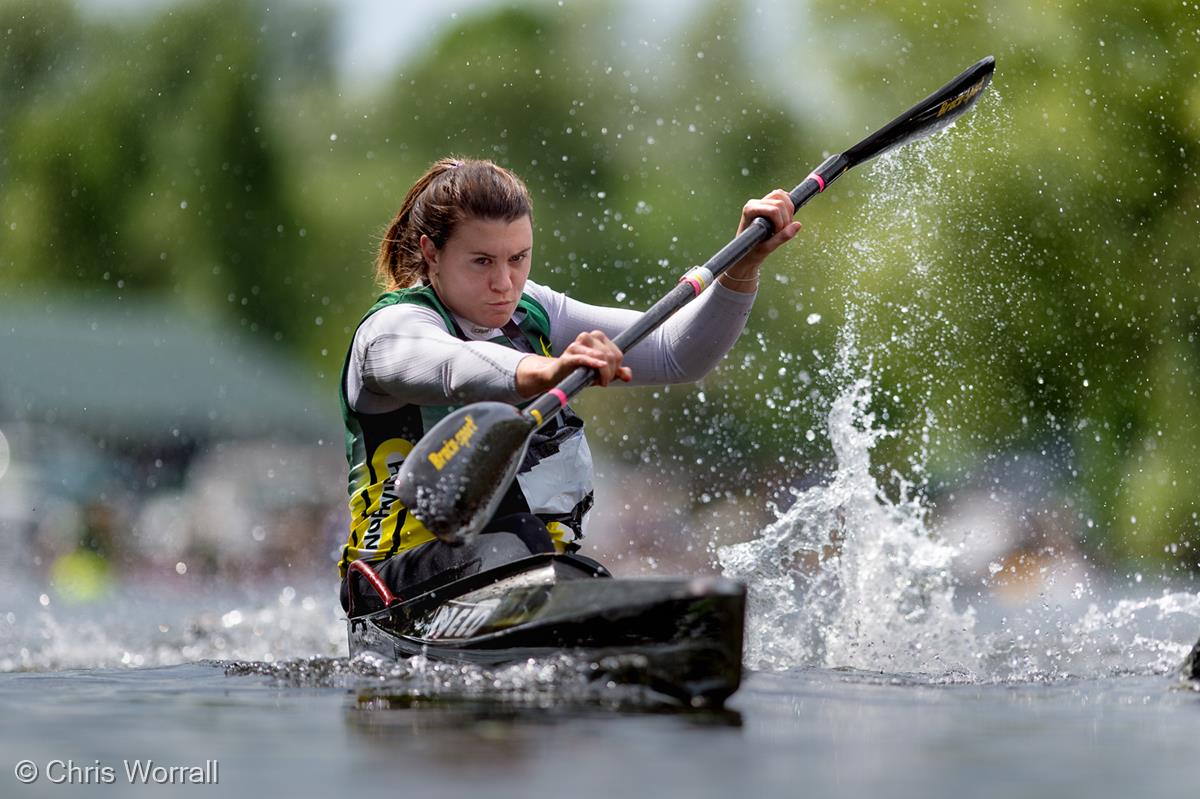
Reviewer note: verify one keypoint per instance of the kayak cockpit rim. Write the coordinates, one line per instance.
(439, 590)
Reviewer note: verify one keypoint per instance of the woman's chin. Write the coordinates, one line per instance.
(495, 318)
(489, 319)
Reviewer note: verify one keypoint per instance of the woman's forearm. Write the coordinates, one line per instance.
(685, 348)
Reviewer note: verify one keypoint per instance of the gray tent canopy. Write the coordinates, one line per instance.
(145, 371)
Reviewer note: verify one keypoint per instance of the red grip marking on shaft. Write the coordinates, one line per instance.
(562, 397)
(697, 286)
(820, 181)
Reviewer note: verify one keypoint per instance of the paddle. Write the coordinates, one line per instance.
(456, 475)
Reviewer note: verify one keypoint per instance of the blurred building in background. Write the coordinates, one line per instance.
(140, 438)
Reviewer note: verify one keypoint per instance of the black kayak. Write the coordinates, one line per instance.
(1190, 670)
(679, 637)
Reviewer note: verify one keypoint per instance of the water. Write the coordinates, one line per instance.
(869, 674)
(854, 576)
(797, 732)
(848, 577)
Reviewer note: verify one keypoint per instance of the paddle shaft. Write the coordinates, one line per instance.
(933, 113)
(759, 230)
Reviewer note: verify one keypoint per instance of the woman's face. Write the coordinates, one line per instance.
(481, 271)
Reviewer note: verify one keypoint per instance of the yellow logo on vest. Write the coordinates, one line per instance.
(460, 439)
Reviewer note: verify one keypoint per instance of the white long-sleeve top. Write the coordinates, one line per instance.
(403, 354)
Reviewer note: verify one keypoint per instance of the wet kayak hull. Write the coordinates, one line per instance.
(680, 637)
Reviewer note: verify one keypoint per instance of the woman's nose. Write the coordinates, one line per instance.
(501, 280)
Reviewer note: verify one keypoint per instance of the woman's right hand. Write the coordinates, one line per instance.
(593, 349)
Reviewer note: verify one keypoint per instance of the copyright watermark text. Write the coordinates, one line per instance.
(128, 772)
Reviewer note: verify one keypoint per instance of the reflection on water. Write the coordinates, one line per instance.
(502, 734)
(498, 721)
(507, 729)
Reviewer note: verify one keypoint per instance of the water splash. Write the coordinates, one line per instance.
(855, 574)
(535, 681)
(141, 628)
(848, 576)
(851, 575)
(1142, 636)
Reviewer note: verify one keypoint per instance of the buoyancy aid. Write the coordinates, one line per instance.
(554, 481)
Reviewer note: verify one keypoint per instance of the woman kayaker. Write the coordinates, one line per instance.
(461, 322)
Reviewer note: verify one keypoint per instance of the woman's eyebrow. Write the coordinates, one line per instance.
(489, 255)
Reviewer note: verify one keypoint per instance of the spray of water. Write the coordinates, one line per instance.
(854, 573)
(133, 628)
(539, 682)
(849, 576)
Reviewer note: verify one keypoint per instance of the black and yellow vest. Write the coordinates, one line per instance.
(554, 481)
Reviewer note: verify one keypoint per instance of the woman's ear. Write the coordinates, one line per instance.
(429, 250)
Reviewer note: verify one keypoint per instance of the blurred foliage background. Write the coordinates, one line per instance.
(1019, 291)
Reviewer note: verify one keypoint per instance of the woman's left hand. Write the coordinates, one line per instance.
(776, 208)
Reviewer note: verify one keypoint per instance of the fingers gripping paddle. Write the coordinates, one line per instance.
(456, 475)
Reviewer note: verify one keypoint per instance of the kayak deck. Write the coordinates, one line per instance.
(679, 637)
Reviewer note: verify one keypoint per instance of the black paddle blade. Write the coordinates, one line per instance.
(456, 475)
(928, 116)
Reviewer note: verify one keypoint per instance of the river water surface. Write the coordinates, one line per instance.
(869, 673)
(804, 732)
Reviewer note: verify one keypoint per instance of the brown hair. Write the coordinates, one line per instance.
(451, 190)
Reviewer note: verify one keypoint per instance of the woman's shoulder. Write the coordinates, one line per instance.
(395, 317)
